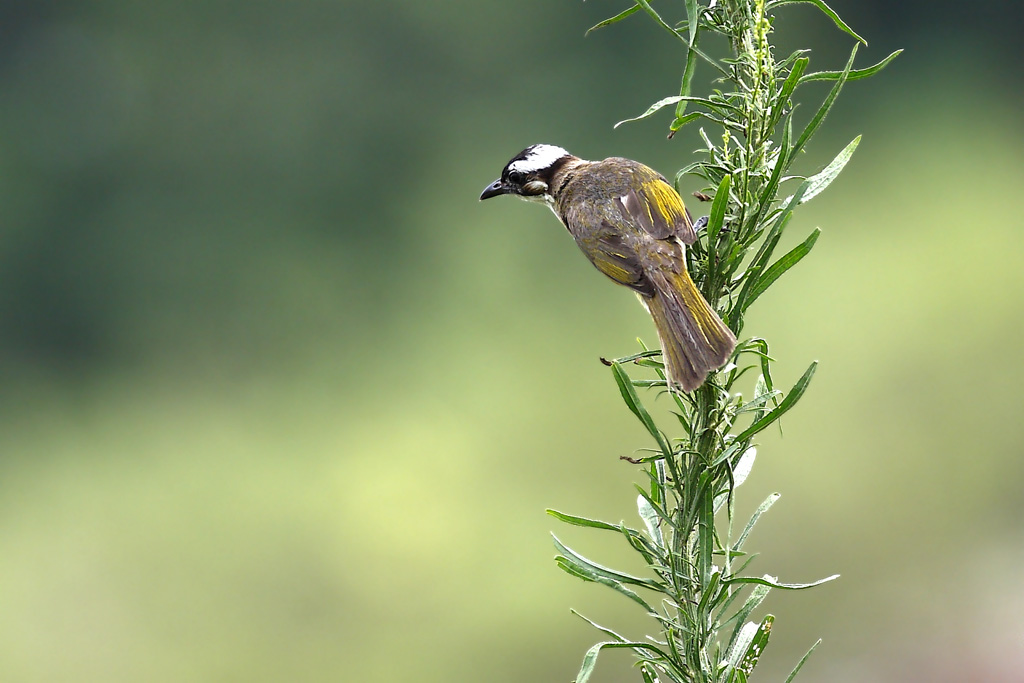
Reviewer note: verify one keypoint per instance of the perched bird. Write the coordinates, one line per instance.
(633, 227)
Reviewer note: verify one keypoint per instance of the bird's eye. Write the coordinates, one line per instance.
(516, 177)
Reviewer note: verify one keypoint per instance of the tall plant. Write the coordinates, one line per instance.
(697, 591)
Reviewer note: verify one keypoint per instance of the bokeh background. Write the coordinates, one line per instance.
(280, 400)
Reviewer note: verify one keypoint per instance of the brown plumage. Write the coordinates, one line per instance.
(633, 227)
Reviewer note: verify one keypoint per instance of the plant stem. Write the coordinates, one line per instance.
(703, 636)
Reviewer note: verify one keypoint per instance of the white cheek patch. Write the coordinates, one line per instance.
(539, 157)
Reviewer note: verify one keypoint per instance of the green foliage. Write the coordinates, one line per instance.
(697, 592)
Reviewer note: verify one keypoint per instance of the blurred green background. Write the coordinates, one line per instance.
(280, 400)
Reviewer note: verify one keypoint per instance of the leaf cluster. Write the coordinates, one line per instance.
(696, 588)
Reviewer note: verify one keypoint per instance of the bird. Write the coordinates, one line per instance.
(632, 225)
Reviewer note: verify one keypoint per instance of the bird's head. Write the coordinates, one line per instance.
(530, 174)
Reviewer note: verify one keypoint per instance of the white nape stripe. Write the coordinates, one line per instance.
(539, 157)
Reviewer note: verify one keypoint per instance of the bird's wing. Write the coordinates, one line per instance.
(658, 209)
(612, 255)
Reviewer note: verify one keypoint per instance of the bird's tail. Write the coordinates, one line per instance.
(694, 340)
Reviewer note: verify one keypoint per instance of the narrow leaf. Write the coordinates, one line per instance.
(764, 253)
(660, 511)
(816, 121)
(589, 662)
(717, 217)
(854, 74)
(828, 11)
(710, 593)
(781, 266)
(651, 553)
(800, 664)
(657, 18)
(631, 399)
(658, 478)
(660, 104)
(651, 520)
(819, 181)
(629, 359)
(793, 80)
(782, 161)
(686, 84)
(581, 521)
(756, 647)
(590, 659)
(791, 398)
(607, 631)
(744, 466)
(617, 18)
(685, 119)
(770, 581)
(740, 643)
(692, 18)
(580, 572)
(582, 563)
(757, 596)
(761, 509)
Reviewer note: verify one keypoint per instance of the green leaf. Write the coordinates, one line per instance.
(732, 450)
(660, 511)
(686, 84)
(816, 121)
(759, 403)
(739, 475)
(819, 181)
(710, 593)
(761, 389)
(652, 554)
(781, 266)
(717, 217)
(657, 18)
(581, 521)
(771, 582)
(590, 658)
(791, 398)
(825, 9)
(685, 119)
(800, 664)
(651, 520)
(575, 570)
(854, 74)
(757, 265)
(607, 631)
(720, 105)
(658, 480)
(761, 509)
(740, 642)
(756, 647)
(756, 597)
(631, 399)
(744, 466)
(792, 80)
(782, 161)
(629, 359)
(706, 537)
(589, 662)
(613, 20)
(660, 104)
(693, 19)
(587, 567)
(686, 169)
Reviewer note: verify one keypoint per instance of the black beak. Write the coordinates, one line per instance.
(494, 189)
